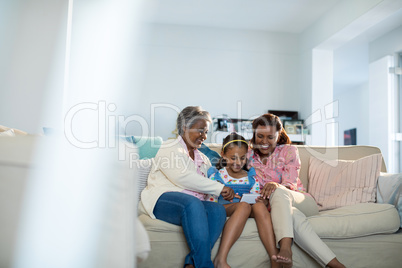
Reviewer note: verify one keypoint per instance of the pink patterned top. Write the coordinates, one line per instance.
(198, 161)
(282, 166)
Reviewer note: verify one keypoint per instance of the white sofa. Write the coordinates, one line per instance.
(361, 235)
(67, 222)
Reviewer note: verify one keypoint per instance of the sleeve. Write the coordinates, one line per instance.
(211, 175)
(211, 171)
(256, 187)
(178, 168)
(289, 162)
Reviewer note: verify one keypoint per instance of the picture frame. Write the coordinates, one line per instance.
(290, 129)
(292, 122)
(293, 126)
(298, 128)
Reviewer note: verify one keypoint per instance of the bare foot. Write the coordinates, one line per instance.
(221, 263)
(285, 257)
(334, 263)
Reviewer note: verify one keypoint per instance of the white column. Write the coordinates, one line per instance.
(381, 108)
(321, 121)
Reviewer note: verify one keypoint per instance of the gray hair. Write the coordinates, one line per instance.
(189, 116)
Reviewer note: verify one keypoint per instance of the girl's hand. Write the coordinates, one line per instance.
(227, 193)
(268, 189)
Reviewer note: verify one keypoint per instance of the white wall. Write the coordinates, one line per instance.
(351, 73)
(351, 76)
(343, 23)
(387, 44)
(380, 49)
(32, 47)
(361, 85)
(353, 113)
(216, 68)
(379, 101)
(321, 33)
(211, 67)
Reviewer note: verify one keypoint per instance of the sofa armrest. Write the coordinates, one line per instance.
(143, 246)
(389, 190)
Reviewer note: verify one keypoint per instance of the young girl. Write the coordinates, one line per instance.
(231, 170)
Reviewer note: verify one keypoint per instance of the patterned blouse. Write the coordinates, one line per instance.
(282, 166)
(223, 175)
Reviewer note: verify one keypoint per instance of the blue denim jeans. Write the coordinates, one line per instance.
(202, 223)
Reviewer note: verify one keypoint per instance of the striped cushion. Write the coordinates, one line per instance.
(338, 183)
(144, 167)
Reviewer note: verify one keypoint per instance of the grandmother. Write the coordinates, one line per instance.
(177, 188)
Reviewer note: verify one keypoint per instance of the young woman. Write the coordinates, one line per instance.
(277, 165)
(232, 171)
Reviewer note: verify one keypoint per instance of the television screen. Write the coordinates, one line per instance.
(349, 137)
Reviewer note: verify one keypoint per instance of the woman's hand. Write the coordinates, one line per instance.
(268, 189)
(262, 200)
(227, 193)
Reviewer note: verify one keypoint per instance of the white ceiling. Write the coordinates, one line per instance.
(289, 16)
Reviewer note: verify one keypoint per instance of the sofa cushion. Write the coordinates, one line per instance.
(346, 222)
(163, 231)
(144, 167)
(337, 183)
(356, 220)
(389, 190)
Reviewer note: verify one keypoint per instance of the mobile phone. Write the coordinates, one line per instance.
(249, 198)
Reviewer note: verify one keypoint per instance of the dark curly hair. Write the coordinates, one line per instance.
(271, 120)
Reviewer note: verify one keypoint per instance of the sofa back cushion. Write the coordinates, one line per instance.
(14, 130)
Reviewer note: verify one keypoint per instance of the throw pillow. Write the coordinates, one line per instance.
(144, 167)
(389, 190)
(147, 146)
(338, 183)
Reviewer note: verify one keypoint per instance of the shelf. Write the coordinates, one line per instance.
(218, 136)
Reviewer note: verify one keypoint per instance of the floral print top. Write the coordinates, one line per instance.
(223, 175)
(282, 166)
